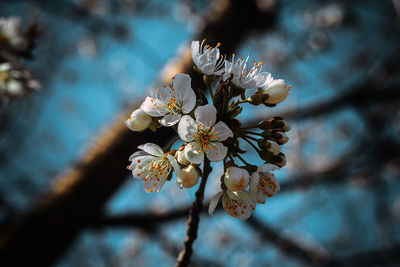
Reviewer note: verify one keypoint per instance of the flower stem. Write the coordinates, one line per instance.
(248, 141)
(242, 159)
(248, 132)
(194, 219)
(244, 101)
(252, 138)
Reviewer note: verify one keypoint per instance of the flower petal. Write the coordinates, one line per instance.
(268, 167)
(153, 107)
(218, 152)
(192, 153)
(206, 114)
(170, 120)
(187, 128)
(174, 164)
(153, 185)
(189, 101)
(152, 149)
(214, 202)
(222, 131)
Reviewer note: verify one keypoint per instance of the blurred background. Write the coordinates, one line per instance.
(66, 198)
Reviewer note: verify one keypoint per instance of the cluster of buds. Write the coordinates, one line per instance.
(211, 131)
(15, 80)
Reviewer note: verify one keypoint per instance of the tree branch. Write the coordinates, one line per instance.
(194, 219)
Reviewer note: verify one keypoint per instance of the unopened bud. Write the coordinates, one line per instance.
(189, 176)
(277, 91)
(236, 179)
(180, 156)
(270, 146)
(280, 137)
(138, 121)
(279, 160)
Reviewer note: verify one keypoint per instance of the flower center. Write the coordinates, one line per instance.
(205, 137)
(266, 184)
(155, 171)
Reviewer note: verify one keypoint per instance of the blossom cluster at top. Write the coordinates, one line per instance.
(15, 79)
(210, 131)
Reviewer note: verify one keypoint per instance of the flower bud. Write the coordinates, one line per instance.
(280, 137)
(138, 121)
(236, 179)
(276, 123)
(270, 146)
(188, 177)
(277, 91)
(279, 160)
(181, 157)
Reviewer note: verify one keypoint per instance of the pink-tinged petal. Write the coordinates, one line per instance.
(214, 202)
(170, 120)
(192, 153)
(268, 185)
(238, 207)
(152, 149)
(187, 128)
(217, 153)
(206, 114)
(236, 179)
(153, 107)
(222, 131)
(266, 168)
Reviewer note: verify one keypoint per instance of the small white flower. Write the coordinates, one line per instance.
(170, 102)
(153, 166)
(243, 77)
(204, 135)
(188, 177)
(138, 121)
(236, 179)
(264, 181)
(9, 82)
(277, 91)
(238, 204)
(207, 59)
(10, 34)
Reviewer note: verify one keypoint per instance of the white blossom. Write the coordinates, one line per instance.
(238, 204)
(243, 77)
(236, 179)
(9, 80)
(138, 121)
(10, 34)
(170, 102)
(153, 166)
(204, 135)
(207, 59)
(264, 181)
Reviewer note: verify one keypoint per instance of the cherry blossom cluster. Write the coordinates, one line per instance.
(15, 79)
(211, 131)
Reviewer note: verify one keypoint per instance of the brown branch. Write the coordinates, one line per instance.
(194, 219)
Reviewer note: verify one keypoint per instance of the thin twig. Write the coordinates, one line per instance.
(194, 219)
